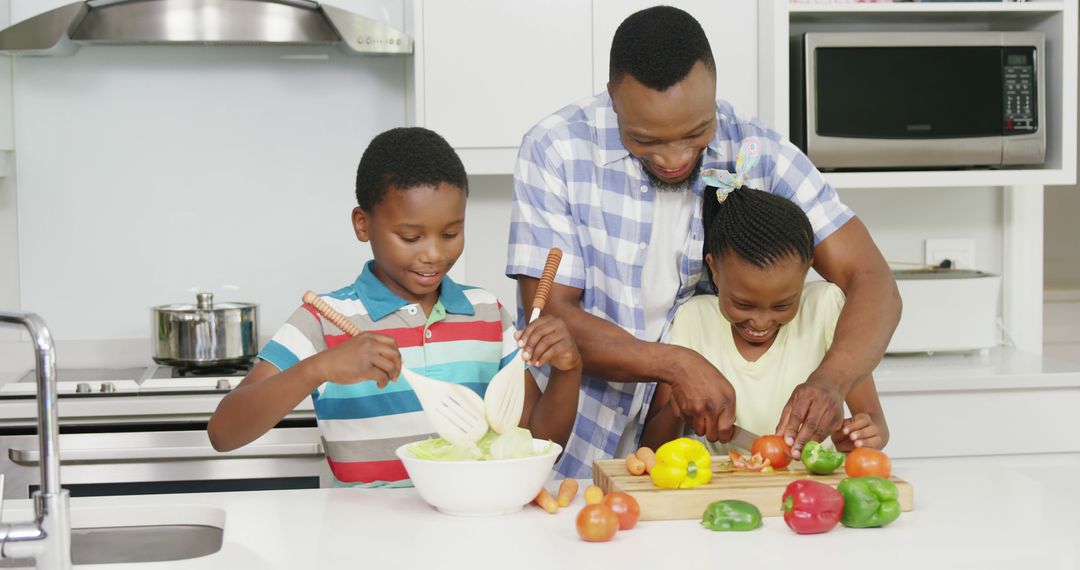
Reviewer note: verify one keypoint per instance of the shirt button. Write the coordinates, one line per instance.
(411, 309)
(644, 189)
(642, 246)
(619, 410)
(427, 333)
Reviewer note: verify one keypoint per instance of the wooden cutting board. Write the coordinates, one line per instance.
(763, 490)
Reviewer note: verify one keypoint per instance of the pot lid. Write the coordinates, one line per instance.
(203, 302)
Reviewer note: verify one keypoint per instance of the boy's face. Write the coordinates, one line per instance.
(416, 236)
(758, 301)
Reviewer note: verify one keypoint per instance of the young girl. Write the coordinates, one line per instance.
(767, 329)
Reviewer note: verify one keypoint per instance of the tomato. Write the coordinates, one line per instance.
(773, 448)
(866, 462)
(625, 507)
(597, 523)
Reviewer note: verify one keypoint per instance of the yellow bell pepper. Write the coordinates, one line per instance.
(683, 463)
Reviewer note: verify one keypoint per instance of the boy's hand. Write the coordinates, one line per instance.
(547, 340)
(367, 356)
(858, 431)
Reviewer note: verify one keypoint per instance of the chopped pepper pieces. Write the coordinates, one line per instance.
(731, 515)
(751, 463)
(683, 463)
(819, 460)
(869, 502)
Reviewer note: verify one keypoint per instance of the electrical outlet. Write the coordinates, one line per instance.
(960, 251)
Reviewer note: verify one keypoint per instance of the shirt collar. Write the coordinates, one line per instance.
(609, 147)
(381, 301)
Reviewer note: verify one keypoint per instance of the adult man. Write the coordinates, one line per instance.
(613, 181)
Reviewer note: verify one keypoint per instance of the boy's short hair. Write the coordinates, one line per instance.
(403, 158)
(658, 46)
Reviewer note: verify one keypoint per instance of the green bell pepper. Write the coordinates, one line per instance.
(819, 460)
(731, 515)
(869, 502)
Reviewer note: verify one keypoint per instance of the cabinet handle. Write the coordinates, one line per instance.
(29, 457)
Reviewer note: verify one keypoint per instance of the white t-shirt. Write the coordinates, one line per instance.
(660, 281)
(673, 211)
(762, 387)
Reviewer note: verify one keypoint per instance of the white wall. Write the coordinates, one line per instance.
(900, 220)
(1061, 248)
(147, 173)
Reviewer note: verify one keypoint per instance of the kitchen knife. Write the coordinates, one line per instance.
(742, 438)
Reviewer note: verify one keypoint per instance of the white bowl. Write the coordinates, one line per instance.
(481, 488)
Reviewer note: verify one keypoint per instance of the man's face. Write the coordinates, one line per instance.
(667, 130)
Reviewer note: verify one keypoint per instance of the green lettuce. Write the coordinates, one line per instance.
(513, 444)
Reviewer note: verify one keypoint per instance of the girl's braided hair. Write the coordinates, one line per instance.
(758, 226)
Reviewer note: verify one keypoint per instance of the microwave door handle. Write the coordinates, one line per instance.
(28, 457)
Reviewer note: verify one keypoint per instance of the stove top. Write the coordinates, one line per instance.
(153, 380)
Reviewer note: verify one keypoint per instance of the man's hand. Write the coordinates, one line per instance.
(814, 411)
(700, 395)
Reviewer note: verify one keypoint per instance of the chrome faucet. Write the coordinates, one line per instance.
(46, 539)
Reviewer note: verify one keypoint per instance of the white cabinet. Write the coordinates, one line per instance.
(485, 71)
(731, 26)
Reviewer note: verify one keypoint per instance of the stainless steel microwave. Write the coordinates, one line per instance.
(887, 100)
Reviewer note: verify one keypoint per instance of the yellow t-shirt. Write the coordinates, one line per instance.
(762, 387)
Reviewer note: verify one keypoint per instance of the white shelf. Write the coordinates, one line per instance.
(926, 7)
(948, 178)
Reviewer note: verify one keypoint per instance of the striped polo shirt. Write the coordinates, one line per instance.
(466, 339)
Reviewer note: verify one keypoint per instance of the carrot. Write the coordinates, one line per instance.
(544, 500)
(593, 495)
(634, 465)
(567, 491)
(648, 457)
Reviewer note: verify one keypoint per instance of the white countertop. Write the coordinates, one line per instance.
(1014, 512)
(1000, 369)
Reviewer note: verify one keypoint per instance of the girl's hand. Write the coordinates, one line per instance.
(547, 340)
(368, 356)
(857, 431)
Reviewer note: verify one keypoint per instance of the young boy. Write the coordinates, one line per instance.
(766, 330)
(411, 189)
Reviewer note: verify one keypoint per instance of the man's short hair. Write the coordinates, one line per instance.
(658, 46)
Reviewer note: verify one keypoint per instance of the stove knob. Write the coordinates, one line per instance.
(223, 384)
(108, 387)
(82, 388)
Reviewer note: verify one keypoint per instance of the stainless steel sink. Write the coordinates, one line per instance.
(119, 544)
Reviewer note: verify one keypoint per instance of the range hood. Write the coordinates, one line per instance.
(202, 22)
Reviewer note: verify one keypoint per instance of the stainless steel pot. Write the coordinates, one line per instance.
(205, 334)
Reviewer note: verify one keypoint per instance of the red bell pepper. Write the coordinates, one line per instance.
(811, 507)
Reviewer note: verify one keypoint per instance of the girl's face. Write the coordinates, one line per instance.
(757, 301)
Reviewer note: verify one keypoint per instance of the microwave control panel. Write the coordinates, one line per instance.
(1018, 66)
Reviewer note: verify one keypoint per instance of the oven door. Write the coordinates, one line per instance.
(137, 459)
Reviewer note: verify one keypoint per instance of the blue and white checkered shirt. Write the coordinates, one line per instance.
(576, 187)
